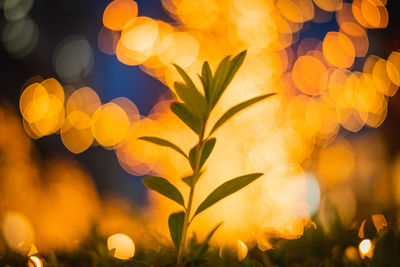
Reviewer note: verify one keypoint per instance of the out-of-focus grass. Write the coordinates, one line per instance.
(314, 248)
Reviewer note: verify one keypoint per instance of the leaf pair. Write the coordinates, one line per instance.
(189, 94)
(168, 190)
(205, 153)
(224, 74)
(165, 188)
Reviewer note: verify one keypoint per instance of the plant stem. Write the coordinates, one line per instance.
(185, 226)
(196, 173)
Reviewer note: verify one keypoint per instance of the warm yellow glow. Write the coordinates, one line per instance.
(296, 11)
(358, 37)
(308, 75)
(351, 254)
(381, 78)
(319, 93)
(338, 50)
(335, 163)
(34, 102)
(74, 138)
(393, 67)
(110, 124)
(32, 251)
(137, 41)
(370, 14)
(17, 231)
(84, 99)
(193, 13)
(329, 5)
(179, 48)
(128, 107)
(42, 106)
(122, 245)
(51, 203)
(118, 13)
(365, 247)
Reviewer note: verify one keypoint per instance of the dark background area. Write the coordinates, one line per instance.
(59, 19)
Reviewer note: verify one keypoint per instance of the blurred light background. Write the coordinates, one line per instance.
(336, 162)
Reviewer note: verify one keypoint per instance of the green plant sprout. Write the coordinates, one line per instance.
(194, 111)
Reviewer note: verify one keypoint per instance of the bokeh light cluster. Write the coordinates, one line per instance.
(323, 85)
(79, 119)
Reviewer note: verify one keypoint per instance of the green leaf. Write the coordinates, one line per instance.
(234, 66)
(206, 79)
(227, 189)
(235, 109)
(207, 149)
(192, 98)
(165, 188)
(180, 110)
(163, 142)
(205, 153)
(185, 77)
(190, 95)
(175, 223)
(225, 76)
(218, 80)
(204, 246)
(192, 155)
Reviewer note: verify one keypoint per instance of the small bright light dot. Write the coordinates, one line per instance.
(123, 246)
(35, 261)
(365, 246)
(236, 250)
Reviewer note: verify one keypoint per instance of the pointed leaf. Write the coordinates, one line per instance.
(204, 246)
(165, 188)
(205, 153)
(192, 98)
(163, 142)
(206, 78)
(227, 189)
(234, 66)
(207, 149)
(226, 76)
(218, 80)
(190, 95)
(175, 223)
(239, 107)
(180, 110)
(192, 155)
(185, 77)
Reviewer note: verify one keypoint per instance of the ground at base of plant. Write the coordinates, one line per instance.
(314, 248)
